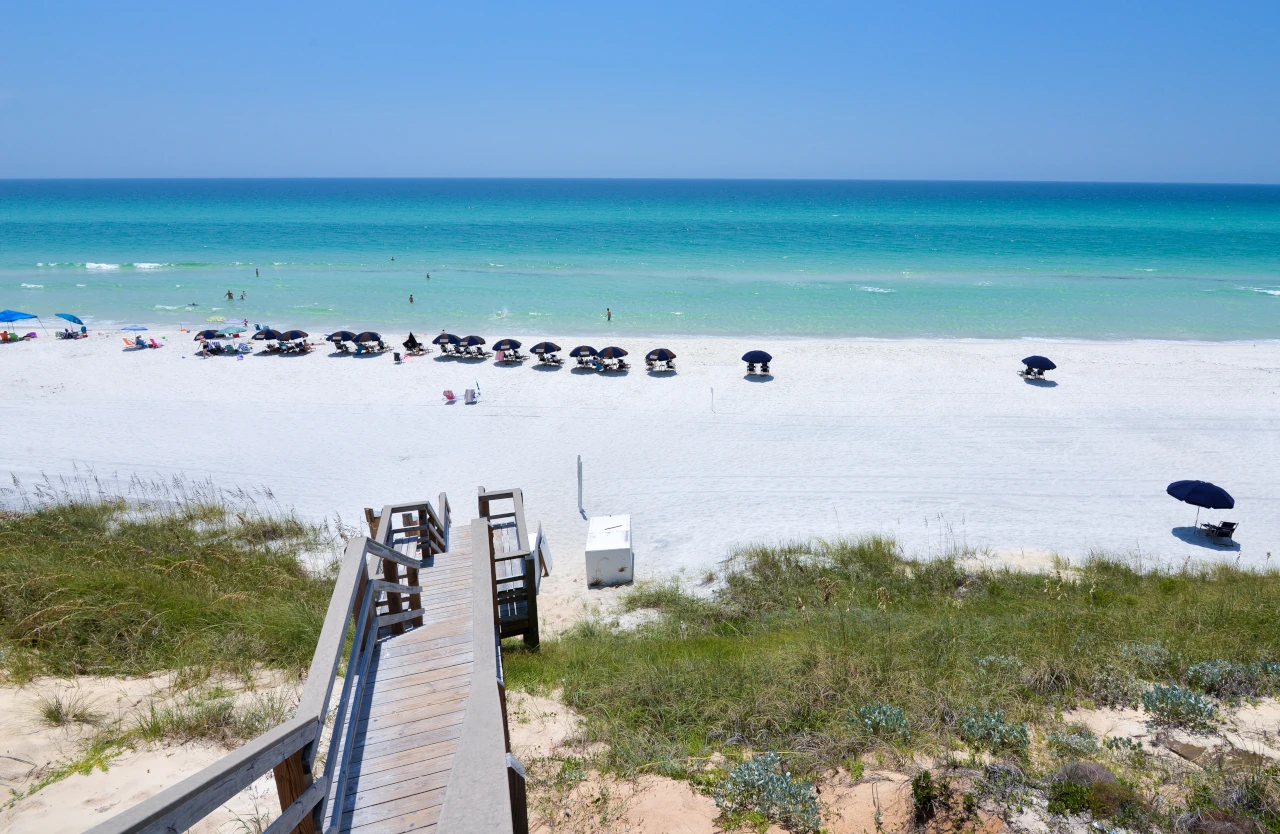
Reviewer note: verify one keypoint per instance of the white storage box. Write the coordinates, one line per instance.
(609, 557)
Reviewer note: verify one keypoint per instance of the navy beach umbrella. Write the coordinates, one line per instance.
(546, 347)
(209, 334)
(472, 341)
(368, 336)
(507, 344)
(660, 355)
(583, 350)
(292, 335)
(612, 353)
(755, 356)
(266, 335)
(1201, 494)
(1039, 363)
(446, 339)
(340, 336)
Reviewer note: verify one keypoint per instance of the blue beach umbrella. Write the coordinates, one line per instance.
(292, 335)
(231, 330)
(612, 353)
(1201, 494)
(340, 336)
(1039, 363)
(205, 334)
(583, 350)
(472, 341)
(546, 347)
(70, 318)
(446, 339)
(265, 335)
(14, 315)
(756, 356)
(134, 327)
(507, 344)
(660, 355)
(368, 336)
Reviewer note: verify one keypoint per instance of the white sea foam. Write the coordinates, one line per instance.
(101, 266)
(875, 289)
(149, 266)
(167, 307)
(33, 286)
(82, 285)
(39, 264)
(1263, 290)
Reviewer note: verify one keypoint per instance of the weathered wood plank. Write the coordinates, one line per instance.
(398, 817)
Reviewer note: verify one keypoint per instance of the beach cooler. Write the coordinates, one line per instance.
(610, 560)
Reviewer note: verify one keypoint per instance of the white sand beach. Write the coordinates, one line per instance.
(937, 443)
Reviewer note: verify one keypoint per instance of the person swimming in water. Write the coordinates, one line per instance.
(231, 296)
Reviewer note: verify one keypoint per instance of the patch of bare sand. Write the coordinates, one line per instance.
(851, 807)
(32, 749)
(78, 802)
(545, 735)
(1248, 735)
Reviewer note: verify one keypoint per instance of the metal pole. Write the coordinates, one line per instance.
(580, 484)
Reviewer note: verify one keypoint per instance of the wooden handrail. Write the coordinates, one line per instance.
(291, 748)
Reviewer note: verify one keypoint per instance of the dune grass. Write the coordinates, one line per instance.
(107, 587)
(813, 650)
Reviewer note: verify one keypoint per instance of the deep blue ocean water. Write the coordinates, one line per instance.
(547, 257)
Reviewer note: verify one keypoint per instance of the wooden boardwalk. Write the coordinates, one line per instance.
(419, 739)
(414, 705)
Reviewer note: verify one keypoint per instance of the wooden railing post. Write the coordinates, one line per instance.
(292, 780)
(411, 574)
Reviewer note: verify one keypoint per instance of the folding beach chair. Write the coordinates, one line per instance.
(470, 396)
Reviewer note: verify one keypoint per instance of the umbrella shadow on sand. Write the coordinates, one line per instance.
(1197, 537)
(758, 377)
(1042, 383)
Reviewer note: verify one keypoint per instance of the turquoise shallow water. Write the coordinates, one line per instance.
(876, 259)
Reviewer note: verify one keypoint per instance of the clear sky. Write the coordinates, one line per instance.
(1139, 91)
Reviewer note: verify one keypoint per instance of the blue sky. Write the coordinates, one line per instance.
(910, 90)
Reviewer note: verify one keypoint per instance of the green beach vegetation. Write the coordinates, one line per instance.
(211, 590)
(838, 653)
(800, 659)
(105, 588)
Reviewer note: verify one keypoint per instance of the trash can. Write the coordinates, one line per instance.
(610, 560)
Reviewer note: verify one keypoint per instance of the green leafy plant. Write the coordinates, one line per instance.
(883, 720)
(1171, 705)
(990, 730)
(761, 787)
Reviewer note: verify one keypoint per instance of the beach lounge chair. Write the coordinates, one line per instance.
(469, 397)
(449, 397)
(751, 367)
(764, 367)
(1225, 530)
(153, 343)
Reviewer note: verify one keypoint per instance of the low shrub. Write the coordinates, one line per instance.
(884, 720)
(1104, 800)
(1080, 741)
(1227, 680)
(990, 730)
(1171, 705)
(761, 788)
